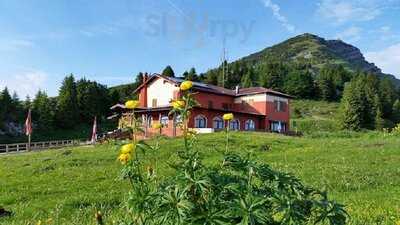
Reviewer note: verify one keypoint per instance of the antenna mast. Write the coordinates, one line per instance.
(223, 63)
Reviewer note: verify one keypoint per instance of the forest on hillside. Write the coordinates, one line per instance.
(368, 101)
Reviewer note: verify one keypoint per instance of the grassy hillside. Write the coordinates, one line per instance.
(69, 185)
(310, 116)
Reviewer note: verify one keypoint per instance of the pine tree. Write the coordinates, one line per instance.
(247, 80)
(326, 88)
(191, 75)
(396, 112)
(92, 99)
(67, 106)
(42, 112)
(355, 112)
(168, 71)
(388, 95)
(379, 121)
(299, 84)
(27, 104)
(351, 106)
(211, 77)
(6, 105)
(272, 75)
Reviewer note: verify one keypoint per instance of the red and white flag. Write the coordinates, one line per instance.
(28, 124)
(94, 131)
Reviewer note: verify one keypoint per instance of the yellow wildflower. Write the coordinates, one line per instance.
(228, 116)
(131, 104)
(157, 125)
(178, 104)
(124, 158)
(186, 85)
(127, 149)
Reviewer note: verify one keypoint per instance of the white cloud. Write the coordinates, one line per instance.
(7, 45)
(385, 29)
(24, 83)
(351, 34)
(387, 59)
(341, 11)
(277, 14)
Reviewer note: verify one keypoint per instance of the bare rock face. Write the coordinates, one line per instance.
(351, 54)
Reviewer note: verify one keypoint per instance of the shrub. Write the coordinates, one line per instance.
(238, 190)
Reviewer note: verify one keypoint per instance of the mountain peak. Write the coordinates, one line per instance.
(318, 52)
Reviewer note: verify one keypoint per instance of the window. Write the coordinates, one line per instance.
(218, 123)
(278, 126)
(200, 122)
(164, 121)
(234, 125)
(249, 125)
(154, 102)
(280, 106)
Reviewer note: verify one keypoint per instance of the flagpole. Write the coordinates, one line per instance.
(29, 142)
(94, 131)
(28, 129)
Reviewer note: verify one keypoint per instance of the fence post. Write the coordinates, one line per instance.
(6, 148)
(17, 147)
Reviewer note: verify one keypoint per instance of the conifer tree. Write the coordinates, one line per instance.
(92, 99)
(326, 88)
(353, 106)
(168, 71)
(42, 112)
(191, 75)
(396, 112)
(67, 105)
(5, 105)
(247, 80)
(299, 84)
(272, 75)
(379, 121)
(388, 95)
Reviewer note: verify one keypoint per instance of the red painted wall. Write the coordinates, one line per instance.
(143, 97)
(217, 109)
(211, 114)
(277, 116)
(204, 98)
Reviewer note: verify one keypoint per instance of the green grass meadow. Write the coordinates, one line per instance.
(67, 186)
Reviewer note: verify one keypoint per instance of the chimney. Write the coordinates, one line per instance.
(237, 89)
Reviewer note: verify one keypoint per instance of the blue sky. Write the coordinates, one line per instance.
(41, 41)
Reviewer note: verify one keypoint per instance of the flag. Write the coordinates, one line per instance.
(94, 131)
(28, 124)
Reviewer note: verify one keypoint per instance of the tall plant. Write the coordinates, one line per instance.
(238, 190)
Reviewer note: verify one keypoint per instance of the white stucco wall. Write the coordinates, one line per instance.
(161, 90)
